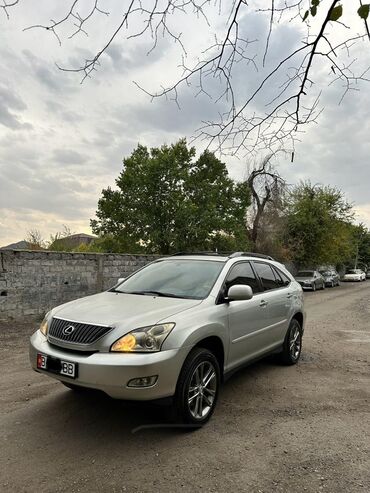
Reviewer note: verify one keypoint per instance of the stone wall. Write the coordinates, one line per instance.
(32, 282)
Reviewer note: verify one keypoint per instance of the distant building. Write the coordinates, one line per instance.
(78, 239)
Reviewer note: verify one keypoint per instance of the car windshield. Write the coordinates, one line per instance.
(354, 271)
(305, 273)
(173, 278)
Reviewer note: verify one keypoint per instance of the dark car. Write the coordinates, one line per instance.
(310, 279)
(331, 277)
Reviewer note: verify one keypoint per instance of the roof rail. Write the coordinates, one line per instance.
(250, 254)
(221, 254)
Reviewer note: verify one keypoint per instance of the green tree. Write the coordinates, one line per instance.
(167, 201)
(319, 229)
(361, 242)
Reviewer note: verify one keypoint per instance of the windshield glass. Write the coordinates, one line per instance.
(354, 271)
(174, 278)
(305, 273)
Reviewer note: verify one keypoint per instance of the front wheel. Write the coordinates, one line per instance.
(292, 344)
(197, 387)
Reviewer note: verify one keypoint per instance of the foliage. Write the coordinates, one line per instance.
(59, 241)
(167, 201)
(361, 236)
(110, 244)
(319, 229)
(35, 240)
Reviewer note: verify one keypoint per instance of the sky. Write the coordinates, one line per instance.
(62, 142)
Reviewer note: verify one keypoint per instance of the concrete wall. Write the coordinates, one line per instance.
(32, 282)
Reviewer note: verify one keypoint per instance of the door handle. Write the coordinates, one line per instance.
(263, 303)
(289, 295)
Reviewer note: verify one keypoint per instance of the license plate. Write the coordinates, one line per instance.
(56, 365)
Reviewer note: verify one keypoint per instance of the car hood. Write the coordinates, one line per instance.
(123, 310)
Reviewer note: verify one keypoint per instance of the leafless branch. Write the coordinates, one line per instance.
(284, 98)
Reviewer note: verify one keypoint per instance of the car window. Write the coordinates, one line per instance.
(174, 277)
(242, 273)
(305, 273)
(282, 279)
(265, 273)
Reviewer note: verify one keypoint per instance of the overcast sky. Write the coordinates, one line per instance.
(62, 142)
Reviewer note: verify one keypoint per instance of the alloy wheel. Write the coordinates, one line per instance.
(295, 342)
(202, 390)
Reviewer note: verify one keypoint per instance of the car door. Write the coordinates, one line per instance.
(317, 280)
(277, 298)
(246, 319)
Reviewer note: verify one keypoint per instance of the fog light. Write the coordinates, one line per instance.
(143, 381)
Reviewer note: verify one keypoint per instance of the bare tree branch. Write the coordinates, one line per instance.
(245, 123)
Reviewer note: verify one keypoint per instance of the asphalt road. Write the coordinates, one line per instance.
(276, 429)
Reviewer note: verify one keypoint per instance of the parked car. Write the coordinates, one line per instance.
(310, 279)
(175, 328)
(354, 275)
(331, 277)
(368, 274)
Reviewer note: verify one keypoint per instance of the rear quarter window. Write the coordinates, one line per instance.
(266, 275)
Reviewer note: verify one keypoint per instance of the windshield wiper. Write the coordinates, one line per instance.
(155, 293)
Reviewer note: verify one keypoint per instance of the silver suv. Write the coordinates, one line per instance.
(177, 327)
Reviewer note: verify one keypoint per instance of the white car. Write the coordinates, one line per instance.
(354, 275)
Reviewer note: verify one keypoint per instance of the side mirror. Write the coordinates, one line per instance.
(239, 292)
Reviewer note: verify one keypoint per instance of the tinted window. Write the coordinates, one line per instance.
(305, 273)
(282, 279)
(266, 275)
(242, 273)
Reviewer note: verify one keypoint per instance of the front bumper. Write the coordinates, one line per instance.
(110, 372)
(305, 285)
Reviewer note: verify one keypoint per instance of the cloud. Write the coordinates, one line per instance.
(68, 156)
(62, 142)
(10, 103)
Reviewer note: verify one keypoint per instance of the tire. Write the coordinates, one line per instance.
(290, 355)
(199, 365)
(313, 287)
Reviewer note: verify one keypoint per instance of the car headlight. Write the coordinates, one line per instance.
(146, 339)
(44, 325)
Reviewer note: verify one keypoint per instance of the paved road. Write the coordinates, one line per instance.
(276, 429)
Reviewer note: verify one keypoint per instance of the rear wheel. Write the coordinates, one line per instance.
(292, 344)
(197, 387)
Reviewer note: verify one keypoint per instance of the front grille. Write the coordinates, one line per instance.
(75, 332)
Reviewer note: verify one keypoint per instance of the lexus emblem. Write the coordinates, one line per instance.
(67, 331)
